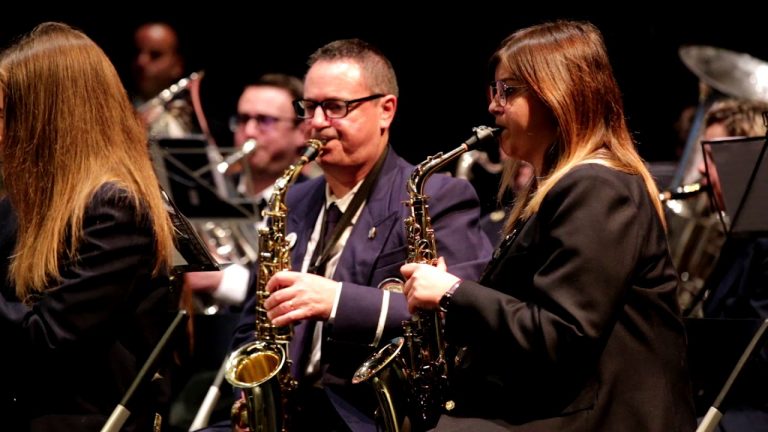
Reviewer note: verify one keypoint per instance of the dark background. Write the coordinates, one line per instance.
(440, 62)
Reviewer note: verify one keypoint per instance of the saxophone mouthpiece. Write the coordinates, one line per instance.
(312, 149)
(481, 134)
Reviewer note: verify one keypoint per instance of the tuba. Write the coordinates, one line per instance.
(261, 369)
(695, 235)
(411, 387)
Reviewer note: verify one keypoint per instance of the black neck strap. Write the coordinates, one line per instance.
(319, 261)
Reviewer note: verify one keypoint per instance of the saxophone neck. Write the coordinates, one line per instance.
(311, 151)
(428, 167)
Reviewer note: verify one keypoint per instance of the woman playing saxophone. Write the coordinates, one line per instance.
(574, 324)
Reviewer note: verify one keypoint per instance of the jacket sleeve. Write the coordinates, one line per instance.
(368, 315)
(89, 301)
(455, 213)
(589, 230)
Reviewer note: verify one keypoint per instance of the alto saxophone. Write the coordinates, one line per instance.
(411, 388)
(262, 369)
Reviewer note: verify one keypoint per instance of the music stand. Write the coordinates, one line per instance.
(197, 188)
(742, 169)
(192, 255)
(715, 412)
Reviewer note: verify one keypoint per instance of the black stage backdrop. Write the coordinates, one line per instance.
(439, 54)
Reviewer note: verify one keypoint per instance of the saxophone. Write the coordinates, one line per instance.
(411, 387)
(262, 369)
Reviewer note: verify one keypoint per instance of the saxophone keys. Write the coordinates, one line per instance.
(290, 239)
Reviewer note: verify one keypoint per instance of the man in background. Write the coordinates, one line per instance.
(264, 114)
(158, 64)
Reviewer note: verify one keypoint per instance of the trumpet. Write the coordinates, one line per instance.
(683, 192)
(695, 235)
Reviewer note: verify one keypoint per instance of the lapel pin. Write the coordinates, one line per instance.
(372, 233)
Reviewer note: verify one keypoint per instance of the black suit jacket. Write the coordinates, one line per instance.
(375, 251)
(574, 325)
(71, 356)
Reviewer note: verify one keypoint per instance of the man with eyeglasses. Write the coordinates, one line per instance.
(265, 115)
(337, 298)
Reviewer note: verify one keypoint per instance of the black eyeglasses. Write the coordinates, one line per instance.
(262, 120)
(332, 108)
(501, 91)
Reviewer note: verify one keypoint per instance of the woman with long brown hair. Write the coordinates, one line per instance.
(85, 287)
(574, 324)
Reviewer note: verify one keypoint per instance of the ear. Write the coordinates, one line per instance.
(388, 106)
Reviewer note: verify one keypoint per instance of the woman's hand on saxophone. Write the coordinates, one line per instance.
(297, 296)
(425, 284)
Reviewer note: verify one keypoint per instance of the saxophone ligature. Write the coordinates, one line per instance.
(261, 369)
(411, 385)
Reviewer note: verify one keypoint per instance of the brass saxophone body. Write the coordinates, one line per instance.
(411, 386)
(262, 369)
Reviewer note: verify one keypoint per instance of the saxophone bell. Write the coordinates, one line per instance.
(254, 369)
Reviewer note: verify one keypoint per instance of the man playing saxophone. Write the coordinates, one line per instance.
(333, 298)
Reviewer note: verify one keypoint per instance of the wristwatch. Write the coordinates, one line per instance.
(445, 300)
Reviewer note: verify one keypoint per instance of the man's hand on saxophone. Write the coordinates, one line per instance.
(296, 296)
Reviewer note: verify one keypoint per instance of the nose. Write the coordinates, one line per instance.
(319, 120)
(142, 59)
(251, 127)
(494, 107)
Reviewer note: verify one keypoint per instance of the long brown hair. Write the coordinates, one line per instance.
(69, 128)
(565, 64)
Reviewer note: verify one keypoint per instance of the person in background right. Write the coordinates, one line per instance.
(574, 324)
(737, 288)
(729, 118)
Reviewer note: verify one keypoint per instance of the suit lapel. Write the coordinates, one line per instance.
(302, 218)
(381, 213)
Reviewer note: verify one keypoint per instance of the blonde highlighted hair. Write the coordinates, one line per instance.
(565, 64)
(69, 128)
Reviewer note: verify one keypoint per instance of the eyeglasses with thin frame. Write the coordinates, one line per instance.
(500, 91)
(263, 121)
(332, 108)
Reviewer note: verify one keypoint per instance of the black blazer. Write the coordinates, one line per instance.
(574, 325)
(70, 358)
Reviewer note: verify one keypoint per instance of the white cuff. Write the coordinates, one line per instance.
(233, 286)
(335, 303)
(382, 317)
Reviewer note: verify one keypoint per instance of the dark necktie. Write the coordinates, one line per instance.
(331, 219)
